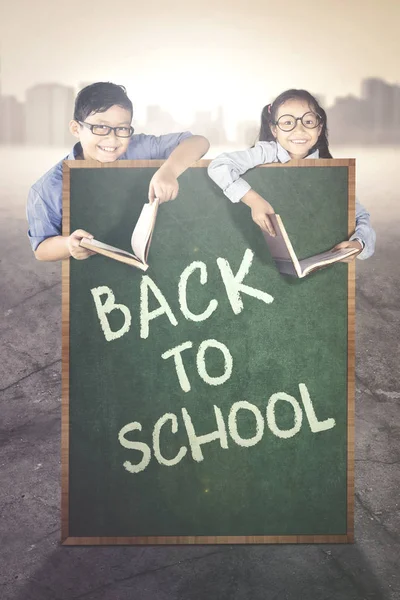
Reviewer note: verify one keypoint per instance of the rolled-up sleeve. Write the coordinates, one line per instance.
(226, 169)
(43, 221)
(364, 231)
(161, 146)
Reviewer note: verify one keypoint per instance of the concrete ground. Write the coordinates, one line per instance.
(33, 564)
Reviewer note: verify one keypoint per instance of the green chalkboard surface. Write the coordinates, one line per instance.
(210, 399)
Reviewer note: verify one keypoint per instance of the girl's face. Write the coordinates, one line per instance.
(299, 141)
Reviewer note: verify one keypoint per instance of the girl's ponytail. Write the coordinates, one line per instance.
(265, 134)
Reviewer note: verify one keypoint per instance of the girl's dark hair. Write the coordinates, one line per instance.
(268, 117)
(99, 97)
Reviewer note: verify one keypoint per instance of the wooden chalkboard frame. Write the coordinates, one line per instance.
(68, 540)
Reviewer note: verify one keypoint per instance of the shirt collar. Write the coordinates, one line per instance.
(75, 152)
(283, 155)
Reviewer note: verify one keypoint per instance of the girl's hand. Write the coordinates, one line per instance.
(260, 209)
(348, 244)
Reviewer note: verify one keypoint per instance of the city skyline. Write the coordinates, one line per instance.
(184, 56)
(372, 117)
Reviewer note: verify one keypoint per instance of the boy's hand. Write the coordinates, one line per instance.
(348, 244)
(260, 209)
(163, 185)
(73, 241)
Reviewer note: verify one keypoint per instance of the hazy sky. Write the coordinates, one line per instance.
(186, 55)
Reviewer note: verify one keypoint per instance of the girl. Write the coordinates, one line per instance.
(293, 126)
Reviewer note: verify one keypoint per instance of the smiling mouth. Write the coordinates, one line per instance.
(299, 141)
(108, 148)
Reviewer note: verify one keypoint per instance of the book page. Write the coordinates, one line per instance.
(112, 252)
(326, 258)
(96, 244)
(141, 236)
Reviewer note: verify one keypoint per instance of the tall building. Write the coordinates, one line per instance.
(49, 108)
(212, 128)
(12, 120)
(247, 132)
(372, 119)
(348, 121)
(396, 121)
(84, 84)
(320, 99)
(383, 100)
(159, 121)
(220, 125)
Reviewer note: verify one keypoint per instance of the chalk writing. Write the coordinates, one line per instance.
(195, 441)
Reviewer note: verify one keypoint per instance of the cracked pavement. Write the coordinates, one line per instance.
(33, 565)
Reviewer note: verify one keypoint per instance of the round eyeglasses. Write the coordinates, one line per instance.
(123, 132)
(309, 120)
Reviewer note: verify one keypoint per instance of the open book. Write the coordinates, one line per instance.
(140, 240)
(285, 258)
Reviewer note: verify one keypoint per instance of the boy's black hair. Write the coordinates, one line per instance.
(269, 113)
(99, 97)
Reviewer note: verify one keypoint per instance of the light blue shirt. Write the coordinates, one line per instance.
(44, 207)
(226, 169)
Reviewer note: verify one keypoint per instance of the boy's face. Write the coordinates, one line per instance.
(107, 148)
(299, 141)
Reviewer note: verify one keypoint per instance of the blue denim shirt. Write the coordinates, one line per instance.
(226, 169)
(44, 207)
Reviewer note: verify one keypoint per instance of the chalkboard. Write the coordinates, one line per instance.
(210, 399)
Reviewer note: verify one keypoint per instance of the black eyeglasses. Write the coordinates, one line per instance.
(309, 120)
(123, 132)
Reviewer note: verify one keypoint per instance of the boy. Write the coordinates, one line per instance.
(102, 123)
